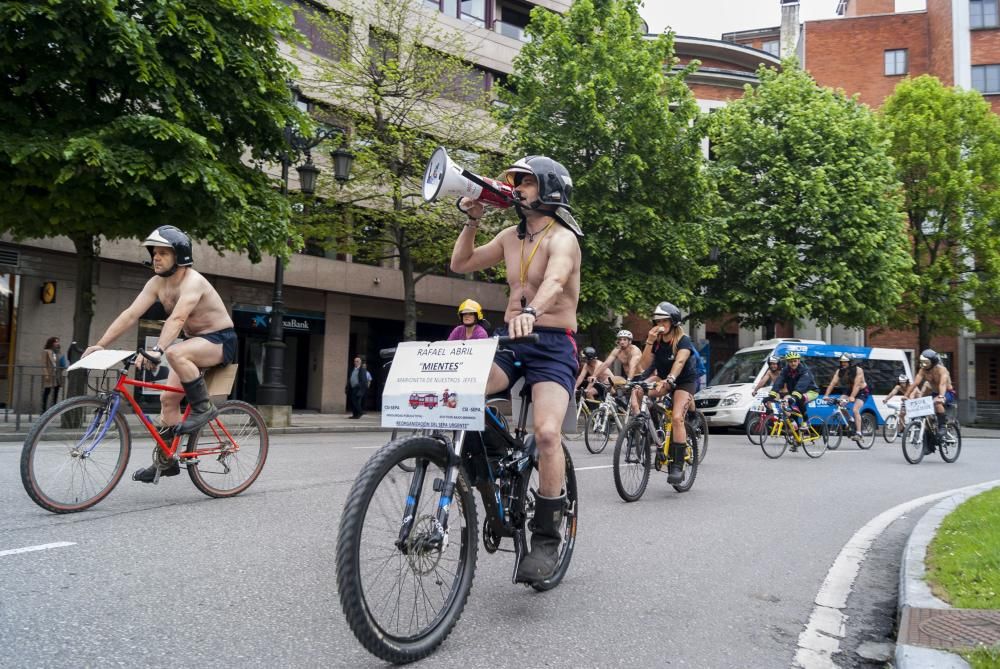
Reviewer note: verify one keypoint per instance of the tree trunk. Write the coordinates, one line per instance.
(87, 257)
(409, 290)
(923, 333)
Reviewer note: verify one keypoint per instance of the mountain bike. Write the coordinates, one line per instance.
(789, 429)
(840, 423)
(584, 408)
(407, 544)
(920, 438)
(644, 445)
(77, 451)
(760, 417)
(606, 420)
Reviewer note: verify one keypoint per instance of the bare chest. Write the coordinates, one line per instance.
(526, 260)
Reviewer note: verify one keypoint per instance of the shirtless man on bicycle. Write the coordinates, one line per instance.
(934, 376)
(542, 256)
(194, 308)
(624, 357)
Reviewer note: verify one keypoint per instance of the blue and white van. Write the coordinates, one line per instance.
(727, 398)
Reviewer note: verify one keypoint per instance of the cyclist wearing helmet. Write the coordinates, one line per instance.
(597, 380)
(851, 380)
(770, 374)
(670, 353)
(901, 388)
(471, 314)
(195, 309)
(934, 378)
(542, 258)
(624, 357)
(798, 379)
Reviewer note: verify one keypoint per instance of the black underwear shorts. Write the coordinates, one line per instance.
(225, 337)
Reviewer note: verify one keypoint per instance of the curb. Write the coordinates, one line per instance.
(913, 589)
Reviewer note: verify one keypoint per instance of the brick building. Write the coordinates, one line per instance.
(866, 51)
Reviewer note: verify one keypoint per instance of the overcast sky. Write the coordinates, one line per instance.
(711, 18)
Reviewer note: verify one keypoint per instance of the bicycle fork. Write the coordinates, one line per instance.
(437, 536)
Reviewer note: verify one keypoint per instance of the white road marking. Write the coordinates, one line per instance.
(827, 624)
(583, 469)
(40, 547)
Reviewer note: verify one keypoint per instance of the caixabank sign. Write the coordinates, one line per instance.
(258, 319)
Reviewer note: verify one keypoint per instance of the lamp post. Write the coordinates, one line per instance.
(272, 392)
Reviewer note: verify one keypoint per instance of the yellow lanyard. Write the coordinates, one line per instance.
(531, 256)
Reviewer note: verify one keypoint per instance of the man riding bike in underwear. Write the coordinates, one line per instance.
(542, 257)
(851, 380)
(193, 308)
(597, 380)
(934, 377)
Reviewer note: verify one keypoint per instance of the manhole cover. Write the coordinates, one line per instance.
(950, 628)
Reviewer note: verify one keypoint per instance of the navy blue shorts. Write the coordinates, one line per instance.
(227, 338)
(553, 358)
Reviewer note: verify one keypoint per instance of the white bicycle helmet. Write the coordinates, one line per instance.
(624, 333)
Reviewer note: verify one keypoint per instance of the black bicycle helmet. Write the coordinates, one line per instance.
(555, 185)
(167, 236)
(931, 356)
(667, 310)
(590, 353)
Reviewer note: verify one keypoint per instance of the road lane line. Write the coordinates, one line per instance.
(40, 547)
(583, 469)
(820, 639)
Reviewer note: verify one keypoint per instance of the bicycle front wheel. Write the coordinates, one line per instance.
(814, 437)
(403, 596)
(770, 438)
(529, 484)
(600, 427)
(75, 454)
(230, 450)
(632, 461)
(890, 429)
(913, 444)
(868, 427)
(835, 429)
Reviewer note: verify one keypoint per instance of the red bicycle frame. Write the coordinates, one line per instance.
(169, 450)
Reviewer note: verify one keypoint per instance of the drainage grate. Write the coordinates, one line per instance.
(949, 628)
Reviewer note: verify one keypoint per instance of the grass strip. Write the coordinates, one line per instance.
(963, 560)
(983, 658)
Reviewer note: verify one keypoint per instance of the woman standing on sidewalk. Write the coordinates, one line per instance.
(51, 374)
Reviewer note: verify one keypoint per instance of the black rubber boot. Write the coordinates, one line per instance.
(202, 409)
(675, 468)
(160, 463)
(942, 429)
(540, 563)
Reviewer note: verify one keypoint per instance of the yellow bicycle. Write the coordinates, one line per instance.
(787, 428)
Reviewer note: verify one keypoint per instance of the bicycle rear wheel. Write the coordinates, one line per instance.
(530, 484)
(234, 446)
(690, 470)
(403, 597)
(633, 459)
(75, 454)
(814, 439)
(868, 427)
(952, 444)
(599, 429)
(913, 444)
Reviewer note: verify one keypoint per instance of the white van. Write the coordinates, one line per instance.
(727, 398)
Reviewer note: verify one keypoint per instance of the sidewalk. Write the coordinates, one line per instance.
(303, 422)
(928, 627)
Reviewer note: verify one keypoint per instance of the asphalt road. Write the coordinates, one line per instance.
(722, 576)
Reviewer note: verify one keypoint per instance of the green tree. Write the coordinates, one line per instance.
(946, 146)
(809, 205)
(119, 116)
(400, 80)
(592, 92)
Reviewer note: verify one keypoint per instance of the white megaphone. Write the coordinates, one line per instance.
(443, 178)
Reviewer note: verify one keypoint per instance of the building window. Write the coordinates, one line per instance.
(983, 14)
(307, 15)
(895, 62)
(474, 11)
(986, 78)
(772, 46)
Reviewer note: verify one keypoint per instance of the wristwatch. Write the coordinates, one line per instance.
(530, 310)
(157, 349)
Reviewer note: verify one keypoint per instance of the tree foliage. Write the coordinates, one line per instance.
(946, 147)
(809, 207)
(400, 81)
(591, 91)
(119, 116)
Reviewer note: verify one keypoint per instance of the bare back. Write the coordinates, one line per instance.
(557, 252)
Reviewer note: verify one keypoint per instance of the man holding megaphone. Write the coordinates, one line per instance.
(542, 258)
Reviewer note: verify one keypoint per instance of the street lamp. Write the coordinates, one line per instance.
(272, 392)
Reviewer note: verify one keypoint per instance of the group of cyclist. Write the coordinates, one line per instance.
(795, 381)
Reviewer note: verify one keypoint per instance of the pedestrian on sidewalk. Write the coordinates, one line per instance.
(358, 381)
(51, 372)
